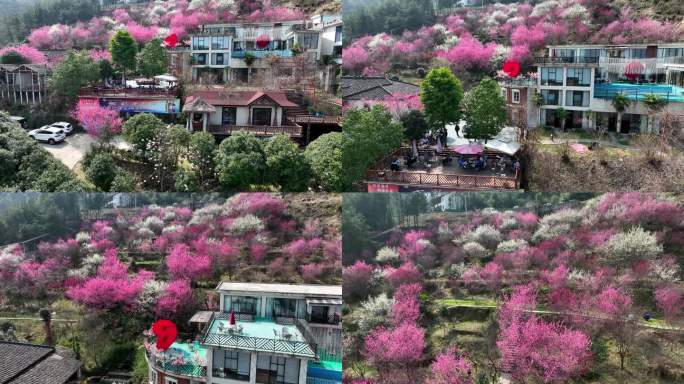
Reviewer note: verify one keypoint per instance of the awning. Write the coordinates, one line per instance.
(324, 301)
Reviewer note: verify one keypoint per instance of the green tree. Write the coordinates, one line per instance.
(325, 158)
(72, 73)
(140, 129)
(415, 127)
(240, 162)
(201, 154)
(441, 94)
(123, 182)
(372, 134)
(484, 111)
(13, 57)
(654, 104)
(620, 103)
(164, 151)
(286, 164)
(102, 170)
(152, 59)
(123, 49)
(106, 69)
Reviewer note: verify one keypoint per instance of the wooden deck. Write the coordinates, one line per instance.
(262, 131)
(440, 176)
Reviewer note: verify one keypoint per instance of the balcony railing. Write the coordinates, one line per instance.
(639, 92)
(545, 60)
(258, 130)
(333, 319)
(250, 343)
(262, 54)
(190, 370)
(464, 182)
(239, 316)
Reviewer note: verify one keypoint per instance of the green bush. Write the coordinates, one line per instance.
(325, 158)
(123, 182)
(119, 357)
(102, 171)
(140, 129)
(286, 164)
(240, 162)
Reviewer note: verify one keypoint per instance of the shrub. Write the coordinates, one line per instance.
(510, 245)
(102, 170)
(246, 223)
(123, 182)
(374, 312)
(325, 157)
(286, 164)
(487, 236)
(624, 248)
(240, 162)
(475, 250)
(356, 280)
(140, 129)
(387, 255)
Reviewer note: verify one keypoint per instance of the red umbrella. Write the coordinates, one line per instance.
(634, 69)
(511, 68)
(262, 41)
(232, 318)
(171, 41)
(469, 149)
(166, 333)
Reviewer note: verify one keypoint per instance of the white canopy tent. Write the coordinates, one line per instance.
(505, 142)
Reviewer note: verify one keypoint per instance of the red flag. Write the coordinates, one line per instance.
(171, 41)
(166, 333)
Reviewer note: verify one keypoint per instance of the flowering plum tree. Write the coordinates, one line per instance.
(407, 273)
(395, 352)
(450, 367)
(98, 121)
(356, 280)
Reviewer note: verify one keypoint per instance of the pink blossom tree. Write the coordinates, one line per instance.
(405, 274)
(29, 53)
(615, 311)
(356, 280)
(355, 59)
(395, 353)
(450, 367)
(102, 123)
(469, 54)
(176, 296)
(406, 307)
(670, 300)
(183, 264)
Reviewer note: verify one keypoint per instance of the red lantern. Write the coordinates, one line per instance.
(634, 69)
(171, 41)
(511, 68)
(166, 333)
(263, 41)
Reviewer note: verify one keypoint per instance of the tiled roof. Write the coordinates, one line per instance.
(374, 87)
(239, 98)
(22, 363)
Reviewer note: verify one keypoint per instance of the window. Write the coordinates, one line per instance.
(516, 96)
(577, 98)
(503, 94)
(274, 369)
(551, 96)
(552, 76)
(200, 43)
(564, 54)
(218, 59)
(670, 52)
(219, 42)
(308, 40)
(579, 77)
(237, 46)
(153, 376)
(284, 307)
(199, 58)
(637, 53)
(231, 364)
(261, 116)
(169, 380)
(238, 304)
(590, 55)
(338, 34)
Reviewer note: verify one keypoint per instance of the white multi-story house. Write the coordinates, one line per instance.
(584, 80)
(239, 51)
(282, 334)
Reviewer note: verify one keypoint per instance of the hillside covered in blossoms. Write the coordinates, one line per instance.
(585, 291)
(475, 39)
(127, 267)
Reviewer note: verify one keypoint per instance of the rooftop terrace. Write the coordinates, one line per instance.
(260, 335)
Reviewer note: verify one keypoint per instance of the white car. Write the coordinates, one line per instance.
(48, 134)
(66, 127)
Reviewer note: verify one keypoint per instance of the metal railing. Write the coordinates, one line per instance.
(258, 130)
(262, 54)
(239, 316)
(609, 91)
(249, 343)
(190, 370)
(566, 60)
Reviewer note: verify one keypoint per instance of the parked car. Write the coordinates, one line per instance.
(66, 127)
(48, 134)
(20, 120)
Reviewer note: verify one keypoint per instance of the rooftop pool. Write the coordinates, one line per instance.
(639, 91)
